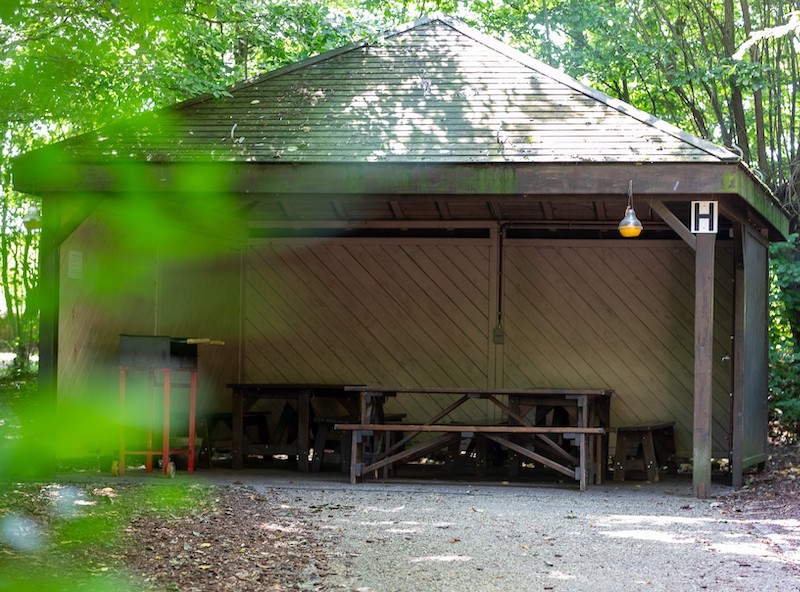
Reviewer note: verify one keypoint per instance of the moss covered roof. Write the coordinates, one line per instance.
(435, 91)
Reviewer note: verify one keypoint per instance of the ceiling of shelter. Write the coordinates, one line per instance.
(436, 91)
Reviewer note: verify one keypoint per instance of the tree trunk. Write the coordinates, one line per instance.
(758, 101)
(737, 100)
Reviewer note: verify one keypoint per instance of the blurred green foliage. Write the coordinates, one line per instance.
(32, 437)
(69, 534)
(64, 518)
(70, 67)
(19, 250)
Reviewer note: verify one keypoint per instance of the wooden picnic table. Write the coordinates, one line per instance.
(301, 396)
(529, 430)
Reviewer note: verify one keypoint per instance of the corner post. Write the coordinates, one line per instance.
(49, 279)
(703, 363)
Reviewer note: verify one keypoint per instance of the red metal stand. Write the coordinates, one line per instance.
(149, 452)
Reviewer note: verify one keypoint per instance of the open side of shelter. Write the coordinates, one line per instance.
(434, 210)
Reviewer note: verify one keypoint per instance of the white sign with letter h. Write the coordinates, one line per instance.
(705, 215)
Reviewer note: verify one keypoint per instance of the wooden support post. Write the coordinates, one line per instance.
(356, 458)
(703, 363)
(237, 448)
(49, 289)
(303, 428)
(495, 331)
(736, 437)
(166, 418)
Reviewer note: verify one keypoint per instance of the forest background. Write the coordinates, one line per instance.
(724, 70)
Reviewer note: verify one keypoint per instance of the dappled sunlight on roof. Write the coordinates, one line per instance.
(437, 91)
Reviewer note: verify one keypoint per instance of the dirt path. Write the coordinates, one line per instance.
(283, 532)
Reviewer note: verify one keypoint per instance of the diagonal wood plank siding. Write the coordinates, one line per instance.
(419, 313)
(97, 303)
(414, 312)
(119, 287)
(618, 315)
(411, 312)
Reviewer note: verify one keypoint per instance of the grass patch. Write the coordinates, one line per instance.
(70, 535)
(15, 393)
(61, 536)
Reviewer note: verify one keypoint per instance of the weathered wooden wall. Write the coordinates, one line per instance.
(411, 312)
(423, 312)
(619, 315)
(114, 283)
(106, 289)
(405, 311)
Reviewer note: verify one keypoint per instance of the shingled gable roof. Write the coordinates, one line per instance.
(435, 90)
(433, 109)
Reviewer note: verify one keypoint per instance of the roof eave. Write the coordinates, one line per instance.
(665, 181)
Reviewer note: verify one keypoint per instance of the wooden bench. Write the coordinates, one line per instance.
(581, 469)
(644, 448)
(210, 425)
(325, 432)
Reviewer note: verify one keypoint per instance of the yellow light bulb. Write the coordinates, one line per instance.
(630, 226)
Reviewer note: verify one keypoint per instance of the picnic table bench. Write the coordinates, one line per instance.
(584, 424)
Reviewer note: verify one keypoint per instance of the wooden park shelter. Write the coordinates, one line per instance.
(431, 208)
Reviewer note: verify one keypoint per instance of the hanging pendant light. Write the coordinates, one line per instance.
(32, 219)
(630, 226)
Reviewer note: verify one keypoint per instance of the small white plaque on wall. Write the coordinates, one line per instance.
(75, 265)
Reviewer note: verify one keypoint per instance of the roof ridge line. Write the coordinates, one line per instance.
(315, 59)
(707, 146)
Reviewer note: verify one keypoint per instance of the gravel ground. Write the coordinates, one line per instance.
(474, 537)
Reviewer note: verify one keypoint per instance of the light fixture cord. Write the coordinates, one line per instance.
(630, 194)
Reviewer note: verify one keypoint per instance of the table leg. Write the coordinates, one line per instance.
(367, 413)
(151, 418)
(237, 448)
(165, 434)
(192, 419)
(649, 453)
(599, 414)
(584, 460)
(123, 422)
(453, 454)
(480, 455)
(303, 429)
(355, 442)
(363, 414)
(378, 443)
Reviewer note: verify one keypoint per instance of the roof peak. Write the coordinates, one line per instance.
(504, 49)
(434, 89)
(713, 149)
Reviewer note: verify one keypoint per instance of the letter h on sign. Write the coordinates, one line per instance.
(704, 217)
